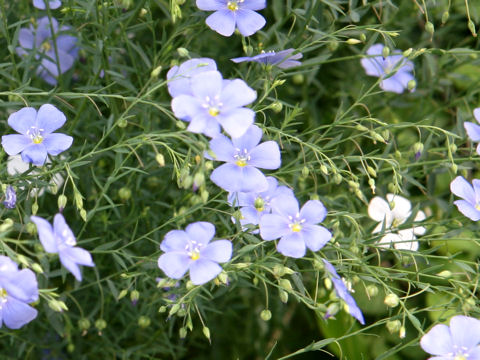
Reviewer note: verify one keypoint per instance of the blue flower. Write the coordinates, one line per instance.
(178, 77)
(384, 67)
(470, 206)
(192, 250)
(60, 239)
(52, 4)
(460, 341)
(37, 137)
(39, 41)
(283, 59)
(343, 293)
(10, 197)
(243, 156)
(296, 229)
(18, 288)
(234, 13)
(214, 102)
(473, 130)
(255, 204)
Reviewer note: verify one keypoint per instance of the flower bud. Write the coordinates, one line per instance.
(84, 324)
(124, 193)
(328, 283)
(445, 17)
(411, 85)
(206, 332)
(57, 305)
(393, 326)
(352, 41)
(371, 171)
(62, 202)
(391, 300)
(363, 37)
(372, 290)
(37, 268)
(385, 51)
(324, 169)
(7, 225)
(471, 27)
(402, 332)
(34, 208)
(143, 12)
(276, 106)
(360, 127)
(283, 296)
(144, 322)
(182, 52)
(332, 310)
(122, 123)
(22, 259)
(122, 294)
(285, 284)
(429, 28)
(305, 171)
(278, 270)
(162, 309)
(332, 45)
(266, 315)
(337, 178)
(445, 274)
(223, 278)
(160, 159)
(83, 214)
(407, 52)
(298, 79)
(134, 296)
(182, 333)
(70, 348)
(156, 72)
(468, 305)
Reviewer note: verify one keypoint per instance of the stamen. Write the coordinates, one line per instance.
(35, 134)
(232, 6)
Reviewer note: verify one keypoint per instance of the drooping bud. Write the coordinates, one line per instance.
(266, 315)
(393, 326)
(391, 300)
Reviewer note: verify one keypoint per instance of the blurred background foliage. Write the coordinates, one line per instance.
(137, 174)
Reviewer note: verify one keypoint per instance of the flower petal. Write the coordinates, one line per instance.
(175, 240)
(273, 226)
(179, 76)
(16, 313)
(249, 139)
(22, 285)
(465, 331)
(22, 120)
(71, 256)
(186, 106)
(49, 118)
(46, 234)
(57, 143)
(285, 205)
(462, 188)
(292, 245)
(438, 341)
(378, 209)
(249, 22)
(174, 264)
(26, 38)
(201, 232)
(402, 209)
(473, 130)
(406, 240)
(313, 212)
(218, 251)
(202, 271)
(266, 156)
(210, 5)
(237, 94)
(223, 148)
(236, 122)
(254, 4)
(476, 114)
(231, 177)
(222, 21)
(35, 153)
(315, 237)
(207, 84)
(467, 209)
(15, 143)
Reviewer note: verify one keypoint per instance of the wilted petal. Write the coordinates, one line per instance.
(174, 264)
(315, 237)
(313, 212)
(462, 188)
(16, 313)
(202, 271)
(222, 21)
(15, 143)
(266, 156)
(273, 226)
(46, 234)
(291, 245)
(438, 341)
(201, 232)
(218, 251)
(35, 153)
(249, 22)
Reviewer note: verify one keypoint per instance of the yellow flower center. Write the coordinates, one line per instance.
(232, 6)
(213, 111)
(459, 357)
(195, 255)
(296, 227)
(477, 207)
(35, 134)
(46, 46)
(241, 162)
(37, 139)
(3, 293)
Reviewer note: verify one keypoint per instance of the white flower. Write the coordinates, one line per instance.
(405, 239)
(15, 165)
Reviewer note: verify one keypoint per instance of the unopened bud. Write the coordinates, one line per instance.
(285, 284)
(124, 193)
(182, 52)
(84, 324)
(471, 27)
(7, 225)
(372, 290)
(34, 208)
(407, 52)
(393, 326)
(160, 159)
(83, 214)
(305, 171)
(332, 45)
(298, 79)
(445, 17)
(134, 296)
(353, 41)
(337, 178)
(156, 72)
(328, 283)
(143, 12)
(445, 274)
(454, 168)
(411, 85)
(278, 270)
(324, 169)
(144, 322)
(182, 333)
(199, 179)
(57, 305)
(360, 127)
(429, 28)
(363, 37)
(402, 332)
(468, 305)
(276, 106)
(332, 309)
(37, 268)
(266, 315)
(391, 300)
(62, 202)
(283, 296)
(371, 171)
(22, 260)
(122, 294)
(206, 332)
(385, 51)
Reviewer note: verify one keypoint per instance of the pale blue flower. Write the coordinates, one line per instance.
(243, 156)
(191, 250)
(473, 130)
(10, 197)
(470, 206)
(18, 288)
(178, 77)
(343, 293)
(37, 137)
(296, 229)
(283, 59)
(60, 239)
(52, 4)
(234, 13)
(214, 102)
(459, 341)
(377, 65)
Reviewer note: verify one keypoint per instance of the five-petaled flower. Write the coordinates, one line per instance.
(60, 239)
(296, 228)
(18, 288)
(255, 204)
(42, 4)
(395, 71)
(231, 13)
(40, 42)
(342, 292)
(283, 59)
(243, 156)
(192, 250)
(459, 341)
(178, 77)
(216, 102)
(470, 206)
(473, 130)
(405, 239)
(37, 137)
